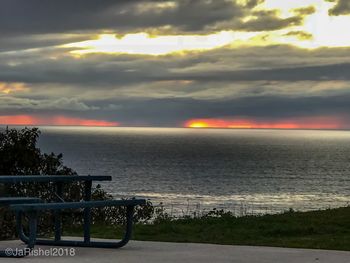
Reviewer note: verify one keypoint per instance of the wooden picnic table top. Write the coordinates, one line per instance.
(9, 179)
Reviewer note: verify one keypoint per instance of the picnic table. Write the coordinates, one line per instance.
(32, 206)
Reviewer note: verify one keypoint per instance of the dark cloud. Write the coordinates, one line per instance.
(305, 10)
(267, 20)
(342, 7)
(89, 74)
(280, 63)
(302, 35)
(324, 72)
(51, 16)
(279, 107)
(23, 42)
(25, 104)
(253, 3)
(195, 15)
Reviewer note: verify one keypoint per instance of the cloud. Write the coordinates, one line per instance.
(266, 20)
(37, 41)
(175, 111)
(67, 104)
(83, 16)
(303, 11)
(7, 88)
(58, 120)
(63, 104)
(267, 102)
(301, 35)
(342, 7)
(322, 72)
(36, 16)
(226, 64)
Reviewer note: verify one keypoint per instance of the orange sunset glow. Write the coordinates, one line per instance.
(58, 120)
(323, 122)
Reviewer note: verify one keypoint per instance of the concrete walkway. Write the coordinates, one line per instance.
(162, 252)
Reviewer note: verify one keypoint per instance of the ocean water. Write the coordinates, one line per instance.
(194, 170)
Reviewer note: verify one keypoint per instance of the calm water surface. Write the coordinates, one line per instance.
(189, 169)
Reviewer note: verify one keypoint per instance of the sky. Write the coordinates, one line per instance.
(184, 63)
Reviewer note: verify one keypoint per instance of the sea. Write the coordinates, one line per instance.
(192, 171)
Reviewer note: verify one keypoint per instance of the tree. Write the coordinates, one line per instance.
(19, 155)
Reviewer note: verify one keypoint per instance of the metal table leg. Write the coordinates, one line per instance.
(87, 212)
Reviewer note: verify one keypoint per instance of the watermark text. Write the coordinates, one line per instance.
(40, 252)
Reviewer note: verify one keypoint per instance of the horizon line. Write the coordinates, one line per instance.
(174, 127)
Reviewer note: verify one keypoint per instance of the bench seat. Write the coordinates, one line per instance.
(74, 205)
(7, 201)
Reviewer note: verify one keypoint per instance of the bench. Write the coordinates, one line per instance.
(32, 207)
(32, 211)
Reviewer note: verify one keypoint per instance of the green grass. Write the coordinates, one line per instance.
(327, 229)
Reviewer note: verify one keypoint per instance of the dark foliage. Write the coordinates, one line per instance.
(20, 156)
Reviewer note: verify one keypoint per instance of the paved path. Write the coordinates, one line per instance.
(162, 252)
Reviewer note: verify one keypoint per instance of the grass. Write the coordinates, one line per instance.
(326, 229)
